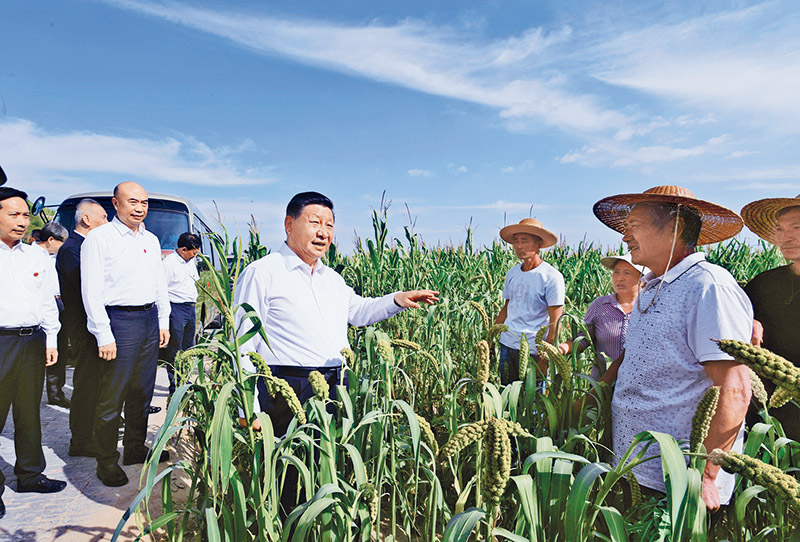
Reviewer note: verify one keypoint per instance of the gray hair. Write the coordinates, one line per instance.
(54, 230)
(82, 208)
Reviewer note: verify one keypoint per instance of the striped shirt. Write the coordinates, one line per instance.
(607, 324)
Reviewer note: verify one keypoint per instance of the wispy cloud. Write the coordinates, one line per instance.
(514, 75)
(41, 156)
(618, 154)
(418, 173)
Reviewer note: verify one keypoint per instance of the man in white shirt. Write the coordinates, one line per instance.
(534, 294)
(28, 341)
(82, 345)
(670, 360)
(305, 306)
(124, 293)
(180, 268)
(51, 238)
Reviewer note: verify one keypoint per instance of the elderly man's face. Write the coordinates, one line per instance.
(648, 245)
(94, 216)
(14, 219)
(787, 234)
(131, 204)
(52, 245)
(310, 235)
(525, 245)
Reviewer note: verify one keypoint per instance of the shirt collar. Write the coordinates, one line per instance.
(123, 229)
(17, 246)
(293, 261)
(610, 299)
(679, 269)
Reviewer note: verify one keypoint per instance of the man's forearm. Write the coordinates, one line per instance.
(726, 423)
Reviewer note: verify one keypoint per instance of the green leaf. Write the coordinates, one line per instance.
(461, 525)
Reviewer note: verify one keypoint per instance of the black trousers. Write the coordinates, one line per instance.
(86, 384)
(129, 379)
(56, 375)
(22, 362)
(182, 328)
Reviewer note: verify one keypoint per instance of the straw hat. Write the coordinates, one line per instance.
(610, 261)
(718, 223)
(762, 216)
(531, 226)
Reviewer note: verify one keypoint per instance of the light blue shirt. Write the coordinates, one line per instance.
(662, 377)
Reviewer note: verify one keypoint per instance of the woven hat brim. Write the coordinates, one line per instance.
(548, 238)
(718, 222)
(762, 216)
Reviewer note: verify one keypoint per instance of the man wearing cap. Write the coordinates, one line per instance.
(670, 360)
(776, 293)
(83, 347)
(305, 306)
(124, 293)
(28, 341)
(534, 294)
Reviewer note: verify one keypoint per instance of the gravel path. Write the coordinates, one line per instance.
(86, 511)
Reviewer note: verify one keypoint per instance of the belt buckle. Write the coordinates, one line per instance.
(26, 331)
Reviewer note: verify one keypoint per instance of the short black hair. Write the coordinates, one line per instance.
(301, 200)
(189, 240)
(6, 192)
(54, 230)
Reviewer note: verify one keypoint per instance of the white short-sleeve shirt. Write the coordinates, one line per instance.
(529, 294)
(662, 377)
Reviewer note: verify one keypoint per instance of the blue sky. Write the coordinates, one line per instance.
(474, 111)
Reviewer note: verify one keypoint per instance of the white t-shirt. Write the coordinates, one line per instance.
(529, 294)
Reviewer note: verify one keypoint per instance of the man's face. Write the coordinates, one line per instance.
(787, 234)
(131, 204)
(310, 235)
(525, 245)
(187, 253)
(15, 217)
(625, 277)
(95, 216)
(648, 245)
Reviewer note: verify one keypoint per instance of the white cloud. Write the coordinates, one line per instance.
(622, 154)
(514, 75)
(46, 157)
(419, 173)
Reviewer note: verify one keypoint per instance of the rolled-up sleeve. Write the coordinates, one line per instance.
(721, 312)
(364, 311)
(92, 290)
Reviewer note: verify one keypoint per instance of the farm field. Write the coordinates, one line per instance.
(424, 443)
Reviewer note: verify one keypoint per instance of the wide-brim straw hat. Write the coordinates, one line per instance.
(610, 261)
(762, 216)
(718, 223)
(531, 226)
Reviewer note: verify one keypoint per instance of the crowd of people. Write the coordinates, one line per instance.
(116, 303)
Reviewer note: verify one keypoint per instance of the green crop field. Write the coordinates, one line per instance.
(424, 443)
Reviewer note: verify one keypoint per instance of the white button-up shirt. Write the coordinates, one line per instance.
(182, 277)
(304, 314)
(662, 377)
(121, 268)
(27, 298)
(53, 275)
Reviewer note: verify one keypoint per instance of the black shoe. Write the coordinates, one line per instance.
(2, 509)
(154, 410)
(112, 475)
(45, 485)
(82, 451)
(131, 458)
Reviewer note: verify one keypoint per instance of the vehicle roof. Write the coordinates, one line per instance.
(154, 195)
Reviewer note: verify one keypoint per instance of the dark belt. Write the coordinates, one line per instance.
(187, 303)
(299, 372)
(131, 308)
(19, 331)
